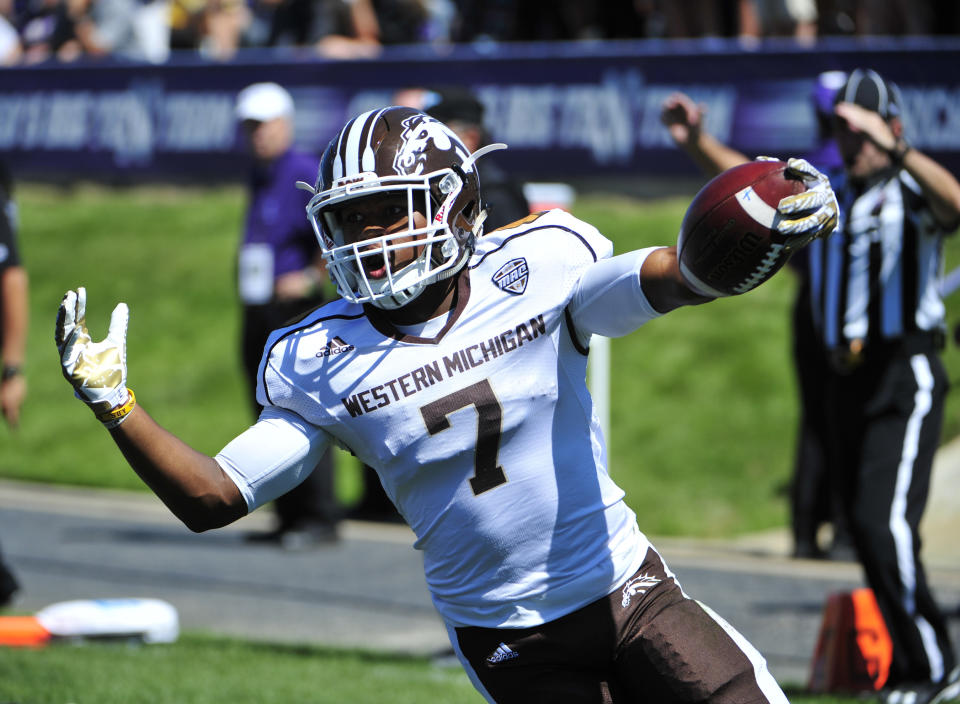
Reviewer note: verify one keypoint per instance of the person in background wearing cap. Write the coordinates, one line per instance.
(879, 322)
(281, 276)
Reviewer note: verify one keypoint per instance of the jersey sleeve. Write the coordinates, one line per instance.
(273, 456)
(609, 299)
(604, 295)
(587, 240)
(562, 247)
(278, 383)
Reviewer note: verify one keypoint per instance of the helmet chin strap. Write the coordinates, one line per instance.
(478, 223)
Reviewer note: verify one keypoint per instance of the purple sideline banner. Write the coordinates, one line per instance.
(568, 111)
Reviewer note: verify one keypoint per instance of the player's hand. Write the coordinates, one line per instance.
(810, 214)
(96, 370)
(12, 393)
(682, 117)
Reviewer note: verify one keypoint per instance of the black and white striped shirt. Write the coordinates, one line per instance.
(875, 278)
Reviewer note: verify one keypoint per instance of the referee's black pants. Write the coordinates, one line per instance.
(884, 419)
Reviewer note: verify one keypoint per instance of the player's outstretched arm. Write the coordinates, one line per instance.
(190, 483)
(664, 285)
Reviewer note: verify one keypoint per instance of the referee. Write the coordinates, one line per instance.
(876, 306)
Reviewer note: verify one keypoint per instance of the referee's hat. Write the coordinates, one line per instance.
(866, 88)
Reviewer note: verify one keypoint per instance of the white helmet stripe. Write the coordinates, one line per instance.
(369, 159)
(351, 150)
(357, 136)
(337, 166)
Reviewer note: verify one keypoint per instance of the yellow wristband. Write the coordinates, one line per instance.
(116, 415)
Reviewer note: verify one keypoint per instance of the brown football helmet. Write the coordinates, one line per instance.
(398, 149)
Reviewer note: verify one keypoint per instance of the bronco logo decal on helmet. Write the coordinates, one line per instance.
(420, 133)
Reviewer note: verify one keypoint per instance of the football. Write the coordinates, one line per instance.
(727, 244)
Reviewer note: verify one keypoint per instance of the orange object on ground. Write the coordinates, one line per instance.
(854, 649)
(22, 631)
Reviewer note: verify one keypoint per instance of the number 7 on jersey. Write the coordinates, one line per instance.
(487, 474)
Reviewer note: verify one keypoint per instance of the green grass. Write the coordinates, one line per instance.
(704, 406)
(213, 670)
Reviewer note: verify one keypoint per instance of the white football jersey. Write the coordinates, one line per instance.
(481, 428)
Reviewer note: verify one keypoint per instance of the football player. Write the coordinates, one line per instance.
(455, 364)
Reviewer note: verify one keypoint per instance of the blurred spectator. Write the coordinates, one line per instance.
(627, 19)
(215, 28)
(13, 307)
(369, 24)
(778, 18)
(352, 33)
(223, 25)
(186, 24)
(280, 277)
(13, 335)
(284, 22)
(485, 20)
(11, 49)
(539, 20)
(889, 18)
(147, 30)
(692, 18)
(129, 29)
(334, 28)
(46, 31)
(894, 17)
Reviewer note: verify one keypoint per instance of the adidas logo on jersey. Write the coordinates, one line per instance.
(512, 276)
(335, 346)
(503, 652)
(637, 585)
